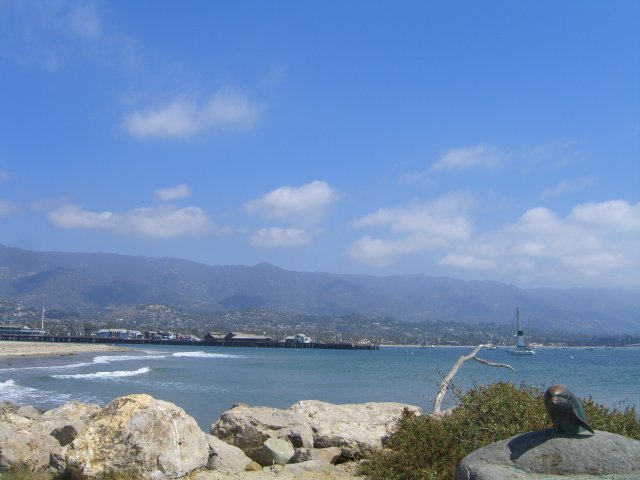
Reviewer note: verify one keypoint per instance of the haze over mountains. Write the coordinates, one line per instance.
(98, 282)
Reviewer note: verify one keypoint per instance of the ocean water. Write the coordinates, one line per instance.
(206, 381)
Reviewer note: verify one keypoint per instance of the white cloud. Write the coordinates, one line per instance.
(614, 217)
(306, 204)
(567, 186)
(595, 241)
(280, 237)
(464, 158)
(156, 222)
(417, 227)
(73, 216)
(184, 117)
(595, 244)
(173, 193)
(439, 218)
(379, 252)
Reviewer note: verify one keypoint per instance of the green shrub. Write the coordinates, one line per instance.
(623, 422)
(424, 448)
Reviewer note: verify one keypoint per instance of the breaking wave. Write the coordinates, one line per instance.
(124, 358)
(205, 355)
(10, 391)
(105, 375)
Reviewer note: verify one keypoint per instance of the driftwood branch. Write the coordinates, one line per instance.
(437, 403)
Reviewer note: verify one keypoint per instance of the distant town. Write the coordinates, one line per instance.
(162, 322)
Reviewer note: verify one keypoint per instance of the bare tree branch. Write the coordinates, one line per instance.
(492, 364)
(437, 403)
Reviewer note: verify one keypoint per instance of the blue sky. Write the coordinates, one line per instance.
(480, 140)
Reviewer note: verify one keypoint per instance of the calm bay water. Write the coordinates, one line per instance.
(206, 381)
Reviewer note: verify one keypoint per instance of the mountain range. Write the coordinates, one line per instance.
(90, 283)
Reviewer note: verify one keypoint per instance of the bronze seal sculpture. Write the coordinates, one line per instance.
(565, 411)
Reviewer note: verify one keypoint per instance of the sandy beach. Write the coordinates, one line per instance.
(29, 349)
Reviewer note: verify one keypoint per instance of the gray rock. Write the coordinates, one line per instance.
(7, 407)
(29, 412)
(28, 418)
(537, 455)
(154, 438)
(329, 454)
(357, 429)
(57, 459)
(20, 423)
(224, 457)
(74, 414)
(253, 467)
(275, 451)
(249, 427)
(21, 447)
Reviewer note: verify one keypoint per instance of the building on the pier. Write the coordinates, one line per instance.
(119, 333)
(20, 331)
(160, 335)
(298, 339)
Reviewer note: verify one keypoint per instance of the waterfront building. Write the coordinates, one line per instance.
(20, 331)
(118, 333)
(299, 338)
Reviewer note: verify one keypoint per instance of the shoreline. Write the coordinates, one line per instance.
(12, 349)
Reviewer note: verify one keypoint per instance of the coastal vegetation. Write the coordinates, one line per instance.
(429, 448)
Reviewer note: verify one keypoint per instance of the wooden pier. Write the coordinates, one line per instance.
(191, 343)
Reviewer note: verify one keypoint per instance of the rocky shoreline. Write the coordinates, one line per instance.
(159, 440)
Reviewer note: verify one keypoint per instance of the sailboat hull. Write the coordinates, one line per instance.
(524, 351)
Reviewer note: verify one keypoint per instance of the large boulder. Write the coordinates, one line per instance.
(63, 422)
(29, 412)
(74, 413)
(276, 451)
(537, 455)
(249, 427)
(357, 429)
(7, 407)
(224, 457)
(34, 438)
(23, 447)
(67, 421)
(153, 438)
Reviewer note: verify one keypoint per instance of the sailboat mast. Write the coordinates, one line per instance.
(42, 320)
(520, 338)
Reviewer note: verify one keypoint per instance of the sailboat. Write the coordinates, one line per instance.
(426, 344)
(521, 347)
